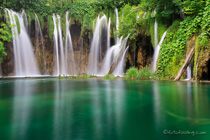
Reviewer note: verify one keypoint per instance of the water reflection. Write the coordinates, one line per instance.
(22, 108)
(62, 113)
(101, 109)
(157, 105)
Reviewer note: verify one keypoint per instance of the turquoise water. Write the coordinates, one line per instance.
(97, 109)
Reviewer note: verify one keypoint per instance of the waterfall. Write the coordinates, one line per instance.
(39, 32)
(156, 53)
(119, 70)
(24, 58)
(95, 49)
(69, 51)
(81, 55)
(189, 72)
(156, 34)
(117, 24)
(108, 34)
(108, 60)
(59, 53)
(62, 59)
(25, 19)
(56, 56)
(113, 55)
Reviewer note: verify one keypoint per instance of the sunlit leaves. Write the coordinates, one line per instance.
(5, 36)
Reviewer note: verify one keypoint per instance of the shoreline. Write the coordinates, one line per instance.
(92, 77)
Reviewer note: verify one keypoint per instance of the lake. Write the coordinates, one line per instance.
(97, 109)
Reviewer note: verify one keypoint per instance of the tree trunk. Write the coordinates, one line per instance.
(186, 63)
(72, 1)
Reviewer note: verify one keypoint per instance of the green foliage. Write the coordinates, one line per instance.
(197, 50)
(50, 26)
(61, 76)
(85, 76)
(173, 50)
(134, 73)
(128, 22)
(193, 6)
(74, 77)
(5, 36)
(145, 74)
(163, 8)
(131, 73)
(109, 76)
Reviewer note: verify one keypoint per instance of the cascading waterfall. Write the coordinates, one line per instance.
(24, 58)
(25, 19)
(156, 34)
(39, 32)
(96, 46)
(62, 60)
(108, 34)
(69, 51)
(109, 58)
(81, 54)
(56, 53)
(189, 72)
(59, 48)
(156, 53)
(114, 53)
(119, 70)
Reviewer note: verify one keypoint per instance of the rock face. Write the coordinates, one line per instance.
(81, 47)
(204, 65)
(141, 56)
(38, 50)
(8, 61)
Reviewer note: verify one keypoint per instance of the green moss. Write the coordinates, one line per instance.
(196, 57)
(152, 31)
(161, 29)
(50, 26)
(18, 25)
(41, 20)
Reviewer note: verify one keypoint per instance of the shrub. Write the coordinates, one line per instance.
(145, 73)
(131, 73)
(134, 73)
(87, 76)
(109, 76)
(61, 76)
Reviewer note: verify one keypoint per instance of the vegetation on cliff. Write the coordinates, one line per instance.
(5, 36)
(182, 20)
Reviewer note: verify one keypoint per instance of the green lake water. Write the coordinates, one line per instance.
(97, 109)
